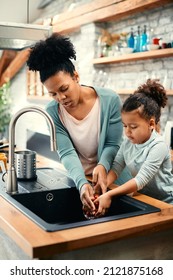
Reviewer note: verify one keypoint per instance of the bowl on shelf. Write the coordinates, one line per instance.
(152, 47)
(126, 50)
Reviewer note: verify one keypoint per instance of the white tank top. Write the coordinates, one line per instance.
(84, 134)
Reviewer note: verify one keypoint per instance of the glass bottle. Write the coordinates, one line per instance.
(150, 36)
(144, 39)
(131, 39)
(137, 46)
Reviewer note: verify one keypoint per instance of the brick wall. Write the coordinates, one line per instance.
(115, 76)
(131, 74)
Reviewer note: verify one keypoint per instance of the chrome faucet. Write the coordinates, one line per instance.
(11, 180)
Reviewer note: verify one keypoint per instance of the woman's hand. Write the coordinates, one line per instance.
(87, 197)
(99, 179)
(104, 202)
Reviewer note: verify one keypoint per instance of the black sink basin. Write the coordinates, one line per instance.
(62, 209)
(59, 207)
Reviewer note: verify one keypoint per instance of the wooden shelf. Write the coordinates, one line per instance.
(15, 65)
(45, 99)
(130, 91)
(102, 11)
(38, 98)
(96, 11)
(161, 53)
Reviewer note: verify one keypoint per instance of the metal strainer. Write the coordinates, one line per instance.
(25, 163)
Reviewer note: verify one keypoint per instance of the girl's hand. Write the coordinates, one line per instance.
(99, 179)
(103, 202)
(87, 197)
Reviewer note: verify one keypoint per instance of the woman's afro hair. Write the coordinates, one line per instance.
(56, 49)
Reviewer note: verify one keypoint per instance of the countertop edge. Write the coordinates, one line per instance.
(37, 243)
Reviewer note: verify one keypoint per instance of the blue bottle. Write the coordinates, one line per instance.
(144, 39)
(131, 40)
(137, 47)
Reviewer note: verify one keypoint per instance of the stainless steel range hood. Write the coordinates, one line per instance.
(18, 36)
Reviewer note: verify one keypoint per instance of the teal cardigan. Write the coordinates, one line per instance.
(109, 141)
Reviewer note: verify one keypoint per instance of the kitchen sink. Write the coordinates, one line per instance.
(53, 202)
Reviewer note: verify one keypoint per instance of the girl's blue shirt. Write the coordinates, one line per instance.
(150, 165)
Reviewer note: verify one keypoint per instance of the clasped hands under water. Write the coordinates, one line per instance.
(90, 194)
(95, 201)
(88, 212)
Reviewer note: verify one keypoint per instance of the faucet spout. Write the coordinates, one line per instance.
(11, 185)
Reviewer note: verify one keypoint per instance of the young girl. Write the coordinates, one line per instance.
(144, 151)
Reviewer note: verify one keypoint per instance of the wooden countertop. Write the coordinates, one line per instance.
(38, 243)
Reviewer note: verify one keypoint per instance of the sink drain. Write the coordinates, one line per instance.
(49, 197)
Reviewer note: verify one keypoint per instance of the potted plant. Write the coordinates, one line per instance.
(5, 109)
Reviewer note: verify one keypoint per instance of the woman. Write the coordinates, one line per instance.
(87, 119)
